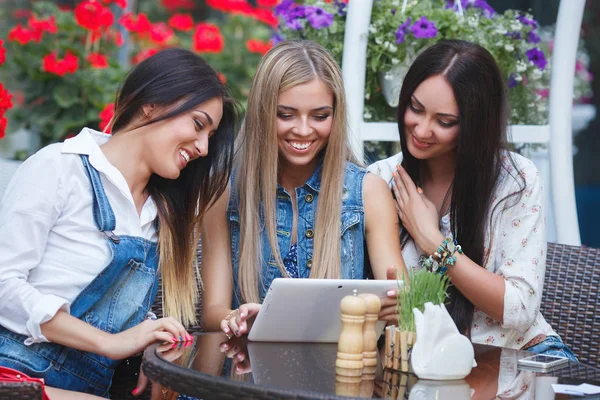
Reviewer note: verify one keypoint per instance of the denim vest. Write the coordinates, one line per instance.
(352, 229)
(117, 299)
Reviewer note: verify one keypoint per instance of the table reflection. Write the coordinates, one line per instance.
(311, 367)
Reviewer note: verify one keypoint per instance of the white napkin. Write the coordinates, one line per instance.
(440, 352)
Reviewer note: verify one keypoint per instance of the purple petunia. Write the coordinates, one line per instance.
(277, 38)
(537, 57)
(341, 7)
(293, 24)
(402, 31)
(424, 28)
(488, 11)
(533, 37)
(512, 81)
(283, 8)
(318, 18)
(527, 21)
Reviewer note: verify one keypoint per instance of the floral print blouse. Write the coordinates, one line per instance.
(517, 252)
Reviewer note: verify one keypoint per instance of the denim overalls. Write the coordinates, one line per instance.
(117, 299)
(352, 229)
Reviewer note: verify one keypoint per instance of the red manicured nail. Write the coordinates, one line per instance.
(173, 340)
(134, 391)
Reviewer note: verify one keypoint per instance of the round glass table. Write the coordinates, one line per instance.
(213, 367)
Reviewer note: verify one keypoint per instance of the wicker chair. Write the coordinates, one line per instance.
(570, 300)
(21, 391)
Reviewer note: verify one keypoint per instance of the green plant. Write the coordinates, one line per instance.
(399, 30)
(63, 65)
(58, 71)
(423, 287)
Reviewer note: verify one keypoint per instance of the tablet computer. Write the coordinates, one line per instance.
(308, 310)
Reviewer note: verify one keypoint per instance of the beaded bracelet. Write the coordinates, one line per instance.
(443, 257)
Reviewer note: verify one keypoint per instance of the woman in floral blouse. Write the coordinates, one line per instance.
(453, 118)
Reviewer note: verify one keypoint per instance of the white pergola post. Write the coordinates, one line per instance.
(568, 26)
(561, 207)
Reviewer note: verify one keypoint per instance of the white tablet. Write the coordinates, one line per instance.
(308, 310)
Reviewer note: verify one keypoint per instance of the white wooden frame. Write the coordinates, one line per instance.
(557, 134)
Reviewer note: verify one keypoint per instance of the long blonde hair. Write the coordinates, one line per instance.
(286, 65)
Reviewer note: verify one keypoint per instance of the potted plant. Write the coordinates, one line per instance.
(423, 287)
(399, 30)
(60, 67)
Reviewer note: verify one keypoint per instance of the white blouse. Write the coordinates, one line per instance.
(50, 248)
(517, 252)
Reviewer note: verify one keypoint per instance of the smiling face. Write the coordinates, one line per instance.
(304, 120)
(177, 141)
(431, 120)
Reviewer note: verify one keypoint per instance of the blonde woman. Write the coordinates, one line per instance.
(86, 226)
(299, 205)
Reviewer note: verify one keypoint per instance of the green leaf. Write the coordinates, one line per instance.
(66, 95)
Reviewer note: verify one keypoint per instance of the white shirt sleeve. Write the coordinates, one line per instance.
(384, 168)
(523, 253)
(31, 206)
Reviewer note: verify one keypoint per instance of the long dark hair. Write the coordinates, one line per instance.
(180, 80)
(480, 94)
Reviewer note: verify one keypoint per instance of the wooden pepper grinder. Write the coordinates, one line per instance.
(349, 362)
(373, 304)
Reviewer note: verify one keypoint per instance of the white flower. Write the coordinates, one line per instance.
(501, 30)
(499, 43)
(395, 61)
(509, 47)
(372, 29)
(379, 40)
(521, 66)
(367, 115)
(516, 25)
(541, 107)
(536, 74)
(367, 96)
(393, 48)
(473, 21)
(518, 78)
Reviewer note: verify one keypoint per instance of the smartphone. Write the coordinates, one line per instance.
(543, 362)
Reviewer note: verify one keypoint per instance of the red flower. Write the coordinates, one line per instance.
(265, 16)
(54, 65)
(120, 3)
(2, 52)
(172, 5)
(139, 24)
(208, 38)
(97, 60)
(92, 15)
(5, 99)
(118, 38)
(160, 33)
(142, 55)
(222, 78)
(243, 8)
(3, 122)
(43, 25)
(105, 116)
(232, 6)
(181, 22)
(267, 3)
(258, 46)
(20, 34)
